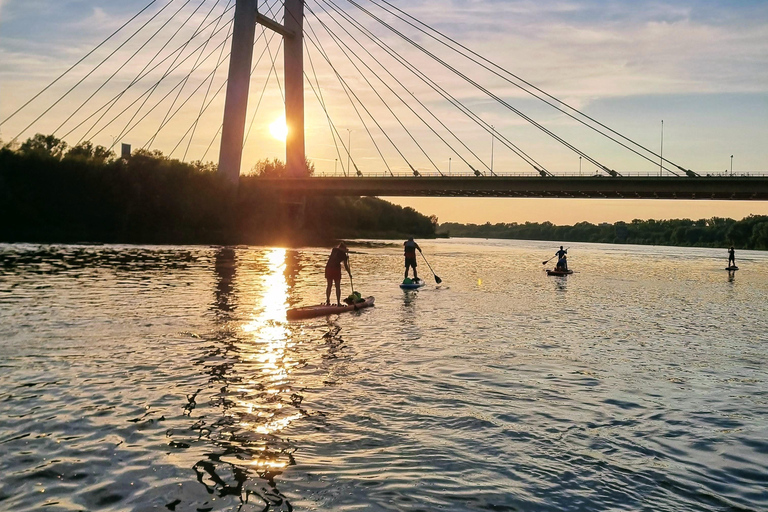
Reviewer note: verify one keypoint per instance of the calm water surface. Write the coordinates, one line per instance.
(167, 378)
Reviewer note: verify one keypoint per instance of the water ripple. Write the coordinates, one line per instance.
(167, 378)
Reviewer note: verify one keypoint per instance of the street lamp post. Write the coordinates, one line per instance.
(349, 149)
(335, 166)
(661, 154)
(493, 137)
(731, 165)
(449, 166)
(579, 166)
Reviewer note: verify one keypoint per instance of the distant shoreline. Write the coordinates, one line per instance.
(749, 233)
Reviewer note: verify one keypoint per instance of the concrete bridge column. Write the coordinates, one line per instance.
(236, 106)
(295, 159)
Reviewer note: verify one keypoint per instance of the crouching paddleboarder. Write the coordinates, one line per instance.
(339, 255)
(562, 261)
(410, 257)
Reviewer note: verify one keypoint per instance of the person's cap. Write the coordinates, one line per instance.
(343, 247)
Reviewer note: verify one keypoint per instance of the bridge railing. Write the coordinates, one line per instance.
(434, 174)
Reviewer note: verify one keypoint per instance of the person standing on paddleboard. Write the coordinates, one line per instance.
(731, 257)
(562, 262)
(410, 257)
(339, 255)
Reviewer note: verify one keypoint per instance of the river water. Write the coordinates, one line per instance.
(167, 378)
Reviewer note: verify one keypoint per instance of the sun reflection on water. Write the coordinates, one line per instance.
(267, 350)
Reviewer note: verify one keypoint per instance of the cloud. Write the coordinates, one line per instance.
(594, 48)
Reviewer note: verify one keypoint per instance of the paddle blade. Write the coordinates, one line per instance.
(437, 279)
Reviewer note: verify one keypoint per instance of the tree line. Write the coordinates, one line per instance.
(748, 233)
(50, 192)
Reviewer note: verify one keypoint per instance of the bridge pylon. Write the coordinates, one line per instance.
(238, 85)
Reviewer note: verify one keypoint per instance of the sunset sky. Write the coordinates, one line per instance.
(701, 66)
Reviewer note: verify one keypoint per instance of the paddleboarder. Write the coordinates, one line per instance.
(562, 262)
(410, 257)
(731, 257)
(339, 255)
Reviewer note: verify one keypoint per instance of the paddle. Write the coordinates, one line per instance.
(349, 271)
(550, 259)
(351, 285)
(437, 279)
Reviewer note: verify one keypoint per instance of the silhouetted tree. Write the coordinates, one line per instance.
(44, 145)
(88, 195)
(275, 168)
(87, 151)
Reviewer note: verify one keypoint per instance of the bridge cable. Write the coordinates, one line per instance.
(347, 90)
(204, 107)
(253, 69)
(61, 98)
(263, 90)
(77, 63)
(277, 76)
(446, 95)
(481, 88)
(152, 90)
(179, 51)
(427, 109)
(493, 64)
(336, 39)
(139, 77)
(128, 129)
(202, 103)
(272, 69)
(221, 126)
(321, 100)
(149, 143)
(125, 63)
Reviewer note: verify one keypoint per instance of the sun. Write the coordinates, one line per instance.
(279, 129)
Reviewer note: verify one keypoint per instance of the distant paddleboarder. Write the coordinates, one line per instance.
(410, 257)
(339, 255)
(562, 264)
(562, 261)
(731, 257)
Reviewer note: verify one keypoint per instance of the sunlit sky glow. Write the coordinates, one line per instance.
(700, 65)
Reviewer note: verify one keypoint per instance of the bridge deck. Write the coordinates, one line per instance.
(722, 188)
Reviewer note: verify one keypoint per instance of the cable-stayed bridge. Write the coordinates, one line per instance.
(189, 77)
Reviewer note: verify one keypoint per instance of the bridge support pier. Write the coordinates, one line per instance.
(238, 85)
(236, 106)
(295, 159)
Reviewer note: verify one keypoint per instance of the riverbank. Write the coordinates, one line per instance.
(85, 195)
(748, 233)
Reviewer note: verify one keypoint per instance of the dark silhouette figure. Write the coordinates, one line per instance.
(562, 262)
(339, 255)
(410, 257)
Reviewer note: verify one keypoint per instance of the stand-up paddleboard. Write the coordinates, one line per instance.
(324, 310)
(559, 272)
(732, 267)
(413, 285)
